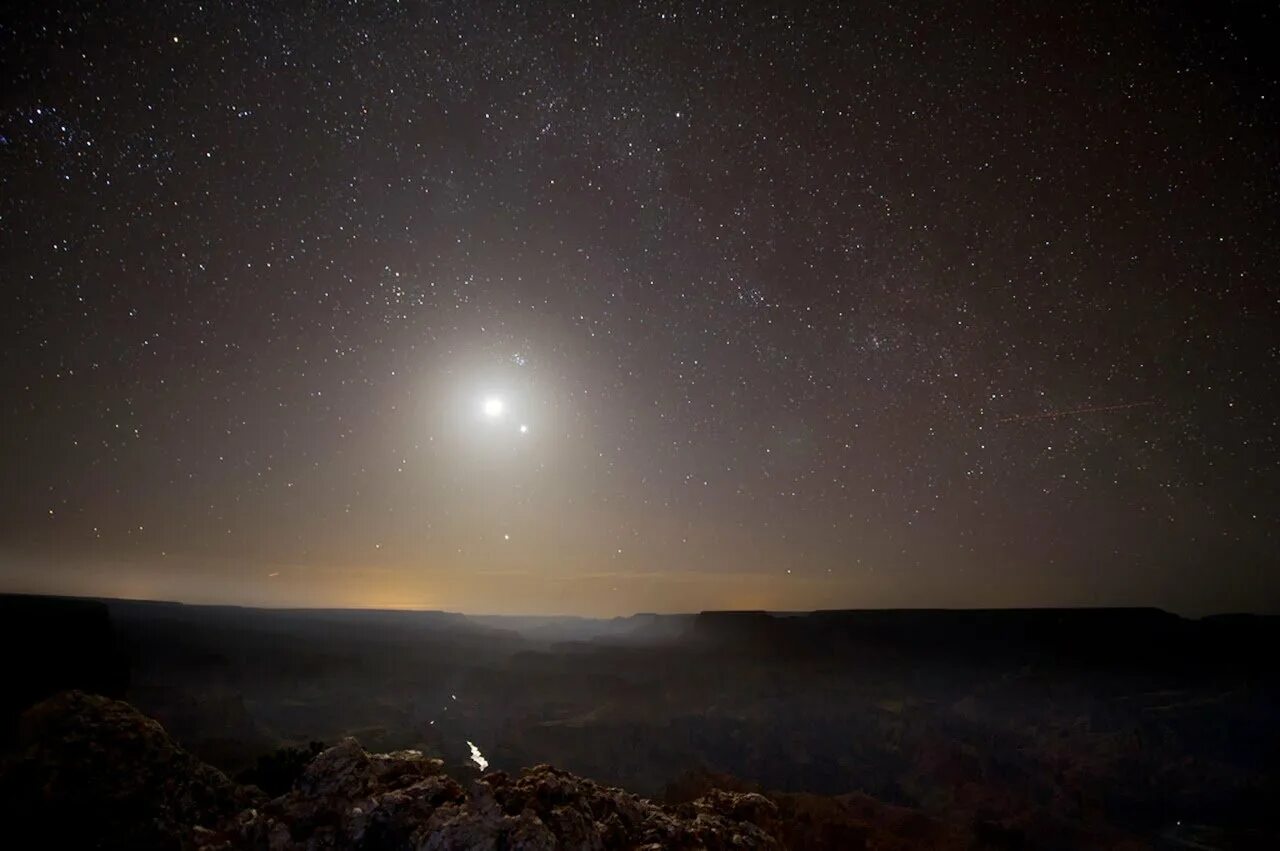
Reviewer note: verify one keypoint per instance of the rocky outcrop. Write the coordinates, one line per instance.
(91, 772)
(55, 644)
(834, 823)
(351, 799)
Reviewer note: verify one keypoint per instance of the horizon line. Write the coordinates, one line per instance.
(464, 614)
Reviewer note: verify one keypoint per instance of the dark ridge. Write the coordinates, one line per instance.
(1147, 638)
(54, 644)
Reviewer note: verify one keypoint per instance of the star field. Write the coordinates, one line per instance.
(835, 307)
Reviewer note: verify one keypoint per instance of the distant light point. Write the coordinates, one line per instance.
(493, 407)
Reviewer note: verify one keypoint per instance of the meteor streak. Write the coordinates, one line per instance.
(1093, 409)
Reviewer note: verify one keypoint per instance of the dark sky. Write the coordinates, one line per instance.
(883, 304)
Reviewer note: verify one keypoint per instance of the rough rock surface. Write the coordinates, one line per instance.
(354, 800)
(91, 772)
(95, 773)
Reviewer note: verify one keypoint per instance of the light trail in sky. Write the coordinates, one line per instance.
(1092, 409)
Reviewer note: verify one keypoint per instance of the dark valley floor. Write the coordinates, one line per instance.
(948, 729)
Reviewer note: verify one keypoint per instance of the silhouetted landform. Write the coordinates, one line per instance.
(52, 644)
(646, 627)
(277, 771)
(1032, 728)
(91, 772)
(94, 772)
(1112, 638)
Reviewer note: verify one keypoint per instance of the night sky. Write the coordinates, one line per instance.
(641, 306)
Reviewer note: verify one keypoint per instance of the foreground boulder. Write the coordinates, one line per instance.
(348, 798)
(91, 772)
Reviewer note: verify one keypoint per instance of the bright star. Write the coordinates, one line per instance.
(493, 407)
(524, 429)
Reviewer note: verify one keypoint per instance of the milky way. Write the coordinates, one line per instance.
(781, 307)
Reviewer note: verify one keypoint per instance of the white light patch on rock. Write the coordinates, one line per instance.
(477, 757)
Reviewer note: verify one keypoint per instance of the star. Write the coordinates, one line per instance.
(813, 313)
